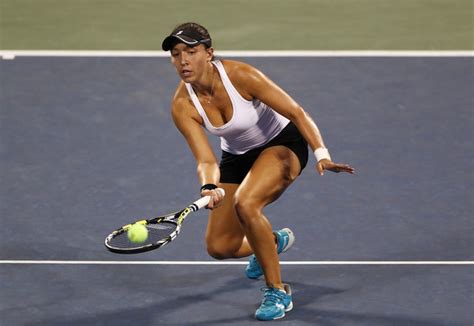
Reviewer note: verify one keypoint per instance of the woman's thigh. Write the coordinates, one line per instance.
(274, 170)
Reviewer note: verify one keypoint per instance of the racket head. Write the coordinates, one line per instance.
(161, 230)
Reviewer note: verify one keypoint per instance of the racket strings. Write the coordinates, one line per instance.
(156, 233)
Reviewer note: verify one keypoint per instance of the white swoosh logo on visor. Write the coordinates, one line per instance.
(187, 42)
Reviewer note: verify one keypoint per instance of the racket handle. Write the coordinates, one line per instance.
(202, 202)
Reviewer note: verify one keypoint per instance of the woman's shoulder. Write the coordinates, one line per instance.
(182, 106)
(241, 75)
(233, 67)
(181, 97)
(181, 93)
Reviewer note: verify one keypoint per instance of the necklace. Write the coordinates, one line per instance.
(209, 100)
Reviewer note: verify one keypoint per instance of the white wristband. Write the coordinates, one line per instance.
(322, 153)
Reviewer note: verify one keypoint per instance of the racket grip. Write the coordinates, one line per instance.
(202, 202)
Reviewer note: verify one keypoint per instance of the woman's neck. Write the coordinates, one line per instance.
(205, 85)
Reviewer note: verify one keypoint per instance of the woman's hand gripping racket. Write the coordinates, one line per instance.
(161, 230)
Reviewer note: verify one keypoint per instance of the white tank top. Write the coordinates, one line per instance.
(252, 125)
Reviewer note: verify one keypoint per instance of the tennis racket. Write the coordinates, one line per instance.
(161, 230)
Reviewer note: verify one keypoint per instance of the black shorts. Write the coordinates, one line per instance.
(234, 168)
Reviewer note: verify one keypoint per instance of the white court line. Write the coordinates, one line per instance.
(12, 54)
(171, 262)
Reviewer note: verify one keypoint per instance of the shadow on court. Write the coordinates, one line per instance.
(306, 316)
(221, 295)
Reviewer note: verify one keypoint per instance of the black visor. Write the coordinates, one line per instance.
(188, 36)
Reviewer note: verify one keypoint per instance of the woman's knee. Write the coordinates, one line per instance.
(217, 253)
(223, 248)
(246, 207)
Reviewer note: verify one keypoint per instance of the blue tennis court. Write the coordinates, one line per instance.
(87, 143)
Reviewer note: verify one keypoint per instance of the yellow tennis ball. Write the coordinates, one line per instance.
(137, 233)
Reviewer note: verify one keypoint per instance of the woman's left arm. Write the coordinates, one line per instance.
(259, 86)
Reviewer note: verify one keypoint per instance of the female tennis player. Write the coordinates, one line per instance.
(264, 140)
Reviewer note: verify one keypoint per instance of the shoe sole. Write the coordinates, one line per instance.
(289, 308)
(253, 277)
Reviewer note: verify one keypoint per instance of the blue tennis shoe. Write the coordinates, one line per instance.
(275, 303)
(285, 239)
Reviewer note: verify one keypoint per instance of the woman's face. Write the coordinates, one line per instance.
(190, 62)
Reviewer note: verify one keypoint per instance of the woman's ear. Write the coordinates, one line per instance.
(210, 54)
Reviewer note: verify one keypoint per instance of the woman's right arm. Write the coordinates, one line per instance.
(189, 123)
